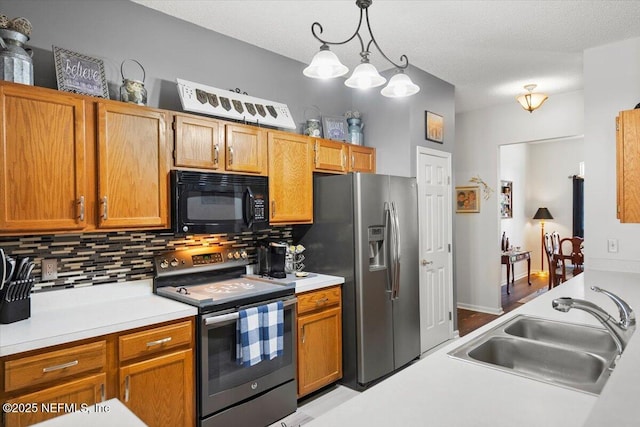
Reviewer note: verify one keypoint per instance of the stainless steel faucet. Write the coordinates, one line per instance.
(620, 331)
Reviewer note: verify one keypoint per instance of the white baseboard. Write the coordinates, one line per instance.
(480, 308)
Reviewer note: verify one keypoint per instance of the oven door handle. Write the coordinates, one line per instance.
(235, 315)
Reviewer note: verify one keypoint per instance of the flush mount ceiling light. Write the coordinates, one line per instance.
(326, 65)
(531, 101)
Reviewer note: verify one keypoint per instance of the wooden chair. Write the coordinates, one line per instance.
(570, 256)
(551, 249)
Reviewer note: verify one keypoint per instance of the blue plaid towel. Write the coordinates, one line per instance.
(249, 343)
(272, 326)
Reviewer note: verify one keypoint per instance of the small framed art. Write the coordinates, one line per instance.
(80, 73)
(467, 199)
(335, 128)
(434, 127)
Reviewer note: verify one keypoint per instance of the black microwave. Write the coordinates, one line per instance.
(212, 203)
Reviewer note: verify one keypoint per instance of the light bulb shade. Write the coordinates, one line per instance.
(365, 76)
(400, 86)
(543, 213)
(325, 65)
(531, 101)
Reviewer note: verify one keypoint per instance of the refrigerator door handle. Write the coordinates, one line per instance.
(387, 249)
(396, 221)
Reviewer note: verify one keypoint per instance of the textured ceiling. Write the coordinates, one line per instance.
(488, 49)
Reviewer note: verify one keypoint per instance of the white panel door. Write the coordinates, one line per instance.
(434, 208)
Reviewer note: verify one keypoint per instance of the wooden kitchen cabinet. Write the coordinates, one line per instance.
(75, 375)
(319, 339)
(329, 156)
(156, 374)
(362, 159)
(628, 166)
(199, 142)
(43, 160)
(218, 146)
(150, 369)
(57, 400)
(246, 149)
(290, 178)
(160, 390)
(73, 163)
(133, 167)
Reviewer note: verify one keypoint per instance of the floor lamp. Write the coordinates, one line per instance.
(542, 214)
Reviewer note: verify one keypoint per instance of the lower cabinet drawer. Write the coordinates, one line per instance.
(54, 365)
(154, 340)
(319, 299)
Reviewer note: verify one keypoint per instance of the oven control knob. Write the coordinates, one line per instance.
(243, 254)
(254, 385)
(236, 255)
(174, 262)
(164, 263)
(230, 255)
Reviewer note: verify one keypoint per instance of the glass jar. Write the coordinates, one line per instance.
(312, 128)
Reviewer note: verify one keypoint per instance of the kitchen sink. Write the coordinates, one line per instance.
(566, 334)
(573, 356)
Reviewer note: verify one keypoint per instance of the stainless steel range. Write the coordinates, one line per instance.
(229, 393)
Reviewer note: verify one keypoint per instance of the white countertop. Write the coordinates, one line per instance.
(105, 414)
(441, 391)
(63, 316)
(305, 284)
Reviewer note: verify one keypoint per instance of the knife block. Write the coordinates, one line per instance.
(15, 301)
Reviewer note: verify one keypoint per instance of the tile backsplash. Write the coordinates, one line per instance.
(94, 258)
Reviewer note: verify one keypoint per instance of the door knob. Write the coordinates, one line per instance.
(425, 262)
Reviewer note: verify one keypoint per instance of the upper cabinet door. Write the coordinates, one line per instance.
(362, 159)
(199, 143)
(627, 161)
(133, 167)
(330, 156)
(246, 149)
(290, 178)
(43, 171)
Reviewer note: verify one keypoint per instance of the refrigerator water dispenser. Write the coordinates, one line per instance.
(376, 248)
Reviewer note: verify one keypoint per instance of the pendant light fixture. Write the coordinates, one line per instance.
(326, 65)
(531, 101)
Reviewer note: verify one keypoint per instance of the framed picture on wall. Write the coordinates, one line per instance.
(506, 208)
(434, 127)
(80, 73)
(467, 199)
(335, 128)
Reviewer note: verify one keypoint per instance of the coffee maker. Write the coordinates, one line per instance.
(271, 259)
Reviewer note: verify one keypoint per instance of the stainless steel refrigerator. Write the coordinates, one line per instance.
(366, 230)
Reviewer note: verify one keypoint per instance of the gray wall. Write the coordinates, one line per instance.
(395, 127)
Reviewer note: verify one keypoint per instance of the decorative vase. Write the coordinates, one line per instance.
(355, 131)
(16, 64)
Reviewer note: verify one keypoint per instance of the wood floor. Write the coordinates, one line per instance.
(470, 320)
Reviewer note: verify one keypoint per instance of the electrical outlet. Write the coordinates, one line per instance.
(49, 269)
(612, 245)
